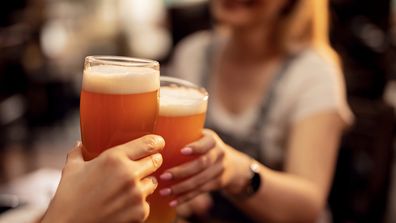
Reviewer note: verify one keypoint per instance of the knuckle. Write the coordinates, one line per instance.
(126, 176)
(136, 195)
(124, 171)
(212, 142)
(111, 160)
(202, 162)
(132, 175)
(139, 195)
(140, 213)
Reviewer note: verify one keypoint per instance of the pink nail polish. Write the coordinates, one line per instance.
(165, 191)
(166, 176)
(173, 203)
(186, 151)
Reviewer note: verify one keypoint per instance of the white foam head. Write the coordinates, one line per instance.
(113, 79)
(182, 101)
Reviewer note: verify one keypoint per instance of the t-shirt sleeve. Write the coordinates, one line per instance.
(318, 87)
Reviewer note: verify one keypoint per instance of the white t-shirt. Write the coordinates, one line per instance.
(310, 85)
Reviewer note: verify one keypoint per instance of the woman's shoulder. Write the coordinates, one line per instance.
(314, 59)
(311, 65)
(315, 83)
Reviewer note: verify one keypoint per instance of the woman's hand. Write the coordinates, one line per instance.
(110, 188)
(218, 167)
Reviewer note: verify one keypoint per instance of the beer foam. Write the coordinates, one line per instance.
(112, 79)
(182, 101)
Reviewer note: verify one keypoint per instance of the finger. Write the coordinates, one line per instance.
(75, 154)
(141, 147)
(148, 185)
(198, 194)
(201, 146)
(147, 165)
(195, 182)
(185, 198)
(193, 167)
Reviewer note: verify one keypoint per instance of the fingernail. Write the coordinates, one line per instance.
(166, 176)
(154, 180)
(186, 151)
(157, 159)
(159, 139)
(78, 144)
(173, 203)
(165, 191)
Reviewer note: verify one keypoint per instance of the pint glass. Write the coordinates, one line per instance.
(119, 101)
(180, 122)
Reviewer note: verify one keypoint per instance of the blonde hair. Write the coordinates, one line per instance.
(306, 24)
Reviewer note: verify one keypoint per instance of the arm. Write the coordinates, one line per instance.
(300, 194)
(296, 195)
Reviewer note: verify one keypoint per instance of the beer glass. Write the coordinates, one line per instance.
(181, 119)
(119, 101)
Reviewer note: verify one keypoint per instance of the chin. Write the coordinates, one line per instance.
(235, 12)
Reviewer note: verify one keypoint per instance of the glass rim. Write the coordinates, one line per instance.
(122, 61)
(185, 83)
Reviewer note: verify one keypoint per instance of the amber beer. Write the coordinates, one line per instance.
(181, 119)
(119, 101)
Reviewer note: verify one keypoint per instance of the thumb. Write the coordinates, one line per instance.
(75, 155)
(202, 145)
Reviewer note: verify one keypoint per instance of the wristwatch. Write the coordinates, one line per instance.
(253, 185)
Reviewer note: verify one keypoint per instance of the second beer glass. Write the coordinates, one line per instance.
(181, 119)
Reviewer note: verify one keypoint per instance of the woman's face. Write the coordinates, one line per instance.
(242, 13)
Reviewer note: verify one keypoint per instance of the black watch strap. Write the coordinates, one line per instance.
(255, 181)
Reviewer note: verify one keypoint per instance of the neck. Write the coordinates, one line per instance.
(252, 43)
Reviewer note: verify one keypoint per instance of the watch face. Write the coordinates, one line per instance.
(254, 167)
(256, 181)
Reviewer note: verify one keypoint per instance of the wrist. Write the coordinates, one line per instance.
(241, 172)
(247, 184)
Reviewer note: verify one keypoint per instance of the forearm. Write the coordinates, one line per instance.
(300, 193)
(283, 197)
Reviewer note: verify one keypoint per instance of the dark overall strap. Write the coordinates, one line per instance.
(223, 209)
(251, 144)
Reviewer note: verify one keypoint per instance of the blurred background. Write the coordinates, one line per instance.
(43, 44)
